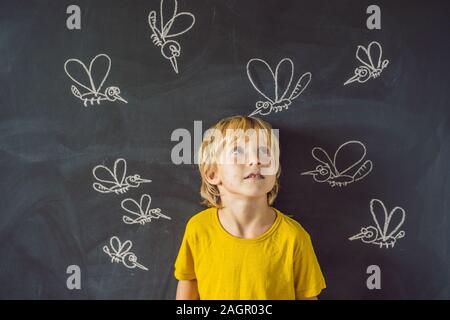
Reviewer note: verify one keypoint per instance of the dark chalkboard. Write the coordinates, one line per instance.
(398, 119)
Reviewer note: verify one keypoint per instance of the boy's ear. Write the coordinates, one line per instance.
(212, 177)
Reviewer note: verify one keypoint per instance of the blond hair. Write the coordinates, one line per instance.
(211, 147)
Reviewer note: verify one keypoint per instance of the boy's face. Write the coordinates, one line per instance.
(246, 167)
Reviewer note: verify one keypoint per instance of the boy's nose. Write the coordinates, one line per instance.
(253, 158)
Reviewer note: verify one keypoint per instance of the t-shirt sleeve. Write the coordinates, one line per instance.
(184, 263)
(308, 277)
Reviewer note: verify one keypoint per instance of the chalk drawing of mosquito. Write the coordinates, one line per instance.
(282, 96)
(386, 231)
(93, 93)
(372, 63)
(120, 252)
(141, 211)
(339, 171)
(117, 180)
(178, 23)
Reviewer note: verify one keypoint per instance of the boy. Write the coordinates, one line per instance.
(241, 247)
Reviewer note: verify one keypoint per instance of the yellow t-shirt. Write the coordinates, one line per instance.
(278, 264)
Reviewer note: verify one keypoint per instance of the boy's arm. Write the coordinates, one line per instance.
(187, 290)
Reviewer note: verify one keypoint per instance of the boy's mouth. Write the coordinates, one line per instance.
(254, 176)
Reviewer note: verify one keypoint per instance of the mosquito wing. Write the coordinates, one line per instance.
(118, 247)
(379, 215)
(375, 54)
(179, 24)
(79, 73)
(262, 78)
(120, 170)
(284, 73)
(322, 156)
(349, 155)
(363, 55)
(145, 202)
(301, 85)
(105, 177)
(394, 222)
(131, 206)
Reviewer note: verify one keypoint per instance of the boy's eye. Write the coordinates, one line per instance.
(237, 150)
(264, 150)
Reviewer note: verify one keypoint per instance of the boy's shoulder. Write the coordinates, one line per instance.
(201, 219)
(294, 228)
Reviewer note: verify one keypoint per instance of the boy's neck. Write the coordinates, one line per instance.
(246, 215)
